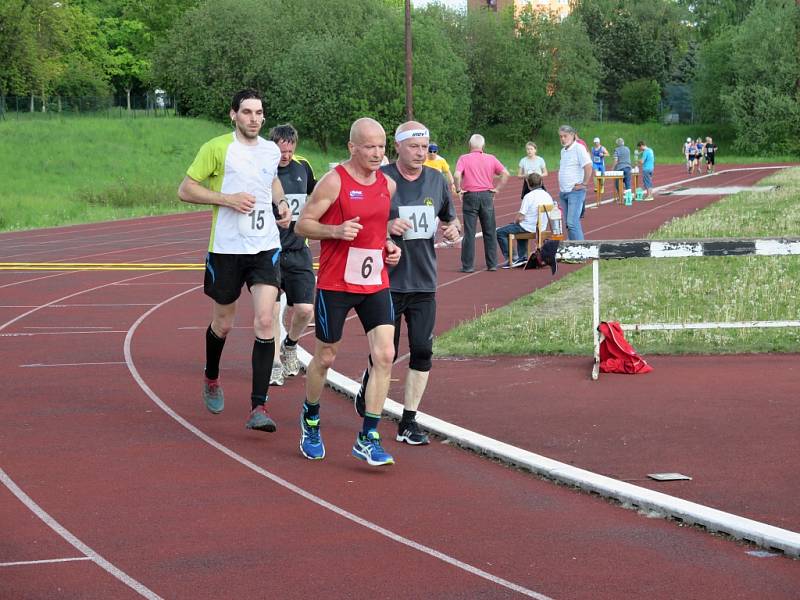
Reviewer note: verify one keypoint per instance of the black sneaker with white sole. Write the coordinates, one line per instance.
(411, 433)
(360, 400)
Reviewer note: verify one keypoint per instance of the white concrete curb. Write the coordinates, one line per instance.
(631, 496)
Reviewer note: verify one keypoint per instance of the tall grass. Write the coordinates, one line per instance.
(557, 319)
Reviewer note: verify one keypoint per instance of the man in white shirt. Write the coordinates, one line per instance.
(574, 177)
(524, 221)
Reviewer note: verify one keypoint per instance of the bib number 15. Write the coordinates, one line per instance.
(254, 223)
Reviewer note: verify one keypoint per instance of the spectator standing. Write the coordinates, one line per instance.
(524, 221)
(647, 163)
(438, 162)
(710, 153)
(243, 187)
(622, 162)
(475, 177)
(574, 178)
(530, 163)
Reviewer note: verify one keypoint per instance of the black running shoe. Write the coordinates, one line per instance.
(360, 401)
(411, 433)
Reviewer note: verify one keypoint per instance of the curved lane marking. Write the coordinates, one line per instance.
(295, 488)
(101, 562)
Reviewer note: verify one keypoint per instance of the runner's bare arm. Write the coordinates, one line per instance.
(193, 192)
(321, 200)
(280, 201)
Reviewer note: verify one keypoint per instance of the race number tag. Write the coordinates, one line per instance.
(254, 223)
(296, 204)
(363, 266)
(423, 222)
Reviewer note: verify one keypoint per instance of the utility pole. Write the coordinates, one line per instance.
(409, 66)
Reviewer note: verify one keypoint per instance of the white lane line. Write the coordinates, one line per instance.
(86, 364)
(43, 561)
(76, 543)
(66, 327)
(35, 333)
(296, 489)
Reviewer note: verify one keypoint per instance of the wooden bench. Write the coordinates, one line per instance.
(540, 235)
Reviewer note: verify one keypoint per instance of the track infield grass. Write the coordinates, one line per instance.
(557, 319)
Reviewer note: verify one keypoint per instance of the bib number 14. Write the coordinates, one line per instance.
(422, 219)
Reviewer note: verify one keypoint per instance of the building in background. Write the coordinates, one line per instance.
(559, 8)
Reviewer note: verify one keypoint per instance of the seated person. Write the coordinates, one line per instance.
(525, 221)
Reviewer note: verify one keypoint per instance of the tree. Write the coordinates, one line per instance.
(130, 45)
(639, 99)
(17, 47)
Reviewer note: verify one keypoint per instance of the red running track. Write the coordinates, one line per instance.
(103, 429)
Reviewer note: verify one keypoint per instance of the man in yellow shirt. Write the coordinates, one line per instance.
(440, 164)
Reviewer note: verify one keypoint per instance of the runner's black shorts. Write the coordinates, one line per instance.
(227, 273)
(709, 159)
(419, 309)
(297, 276)
(331, 308)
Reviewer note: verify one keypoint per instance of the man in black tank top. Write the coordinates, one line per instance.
(297, 274)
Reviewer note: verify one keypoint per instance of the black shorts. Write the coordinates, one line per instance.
(419, 309)
(709, 159)
(331, 308)
(297, 276)
(226, 273)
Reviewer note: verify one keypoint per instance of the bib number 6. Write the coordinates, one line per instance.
(363, 266)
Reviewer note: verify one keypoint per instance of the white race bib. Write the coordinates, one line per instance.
(296, 204)
(254, 223)
(423, 222)
(363, 266)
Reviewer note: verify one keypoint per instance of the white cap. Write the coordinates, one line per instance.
(596, 140)
(688, 139)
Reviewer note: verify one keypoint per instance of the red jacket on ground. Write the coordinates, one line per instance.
(616, 354)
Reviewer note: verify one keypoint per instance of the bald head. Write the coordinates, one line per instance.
(367, 144)
(363, 128)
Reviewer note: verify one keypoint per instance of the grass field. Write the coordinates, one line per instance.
(557, 319)
(63, 170)
(59, 171)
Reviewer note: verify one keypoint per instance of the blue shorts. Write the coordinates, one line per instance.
(647, 179)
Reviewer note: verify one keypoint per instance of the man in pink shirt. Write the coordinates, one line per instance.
(475, 179)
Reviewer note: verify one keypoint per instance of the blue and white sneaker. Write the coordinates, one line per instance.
(368, 447)
(310, 438)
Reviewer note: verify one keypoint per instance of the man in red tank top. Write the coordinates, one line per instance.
(349, 212)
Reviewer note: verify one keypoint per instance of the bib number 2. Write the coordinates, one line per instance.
(363, 266)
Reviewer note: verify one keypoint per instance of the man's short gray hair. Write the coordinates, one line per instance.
(567, 129)
(620, 142)
(477, 141)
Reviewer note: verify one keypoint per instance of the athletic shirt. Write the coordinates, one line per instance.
(420, 201)
(597, 155)
(298, 182)
(232, 167)
(356, 266)
(711, 149)
(688, 148)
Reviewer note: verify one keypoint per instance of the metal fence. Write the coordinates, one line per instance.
(153, 104)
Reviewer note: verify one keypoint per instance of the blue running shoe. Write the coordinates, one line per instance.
(368, 447)
(213, 396)
(310, 438)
